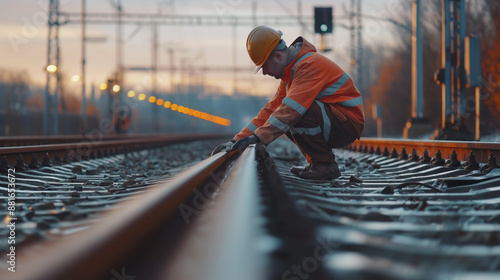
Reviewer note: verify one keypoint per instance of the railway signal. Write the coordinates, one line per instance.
(323, 20)
(323, 23)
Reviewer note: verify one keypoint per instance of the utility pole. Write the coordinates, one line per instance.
(115, 92)
(235, 56)
(356, 42)
(83, 76)
(254, 12)
(417, 125)
(299, 16)
(53, 70)
(452, 76)
(416, 63)
(119, 42)
(453, 25)
(154, 76)
(171, 69)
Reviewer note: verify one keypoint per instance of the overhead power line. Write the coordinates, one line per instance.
(162, 19)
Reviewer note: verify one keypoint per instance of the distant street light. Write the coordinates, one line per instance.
(116, 88)
(51, 68)
(103, 86)
(75, 78)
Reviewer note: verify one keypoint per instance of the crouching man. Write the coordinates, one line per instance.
(316, 105)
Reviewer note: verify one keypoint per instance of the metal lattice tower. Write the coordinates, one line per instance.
(356, 42)
(53, 79)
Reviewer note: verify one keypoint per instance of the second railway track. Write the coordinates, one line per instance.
(245, 216)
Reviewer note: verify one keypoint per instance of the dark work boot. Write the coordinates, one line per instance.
(321, 171)
(297, 169)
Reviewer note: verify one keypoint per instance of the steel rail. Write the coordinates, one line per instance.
(86, 255)
(9, 141)
(88, 148)
(482, 150)
(229, 253)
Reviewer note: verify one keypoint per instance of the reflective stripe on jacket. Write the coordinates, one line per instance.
(309, 77)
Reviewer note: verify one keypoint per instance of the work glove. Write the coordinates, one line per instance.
(223, 147)
(243, 143)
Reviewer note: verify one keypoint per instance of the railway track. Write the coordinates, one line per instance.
(7, 141)
(46, 152)
(244, 216)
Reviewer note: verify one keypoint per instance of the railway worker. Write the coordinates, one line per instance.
(316, 105)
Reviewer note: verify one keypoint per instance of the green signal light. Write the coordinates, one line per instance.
(324, 27)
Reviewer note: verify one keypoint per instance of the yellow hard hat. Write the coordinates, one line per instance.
(261, 41)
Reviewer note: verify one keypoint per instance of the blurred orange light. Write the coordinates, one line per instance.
(131, 93)
(141, 97)
(103, 86)
(186, 110)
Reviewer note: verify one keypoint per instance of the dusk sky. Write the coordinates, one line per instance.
(23, 44)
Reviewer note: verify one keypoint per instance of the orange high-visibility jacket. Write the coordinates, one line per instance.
(309, 77)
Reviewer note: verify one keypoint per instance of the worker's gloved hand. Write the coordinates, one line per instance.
(243, 143)
(223, 147)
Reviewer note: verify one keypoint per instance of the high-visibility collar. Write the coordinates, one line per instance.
(306, 48)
